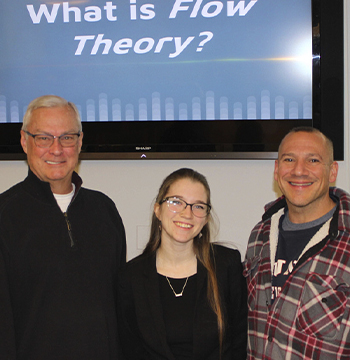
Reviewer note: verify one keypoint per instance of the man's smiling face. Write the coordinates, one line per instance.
(304, 171)
(54, 164)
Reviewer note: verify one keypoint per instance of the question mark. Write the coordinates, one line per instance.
(209, 35)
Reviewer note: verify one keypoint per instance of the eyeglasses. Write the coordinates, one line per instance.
(45, 140)
(177, 205)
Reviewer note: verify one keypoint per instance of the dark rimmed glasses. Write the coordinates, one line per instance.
(46, 140)
(177, 205)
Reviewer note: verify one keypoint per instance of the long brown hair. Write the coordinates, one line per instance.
(201, 244)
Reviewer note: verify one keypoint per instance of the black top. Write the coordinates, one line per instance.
(178, 314)
(143, 324)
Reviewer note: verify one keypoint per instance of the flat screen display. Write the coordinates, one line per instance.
(171, 78)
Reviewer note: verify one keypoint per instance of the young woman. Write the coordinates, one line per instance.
(184, 297)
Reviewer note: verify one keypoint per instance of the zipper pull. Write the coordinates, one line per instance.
(69, 229)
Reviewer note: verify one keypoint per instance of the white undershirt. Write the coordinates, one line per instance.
(63, 200)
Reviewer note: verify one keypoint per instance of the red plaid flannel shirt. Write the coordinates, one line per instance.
(310, 318)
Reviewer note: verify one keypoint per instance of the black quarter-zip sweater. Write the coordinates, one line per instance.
(58, 274)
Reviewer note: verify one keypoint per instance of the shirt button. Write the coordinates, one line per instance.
(324, 300)
(269, 338)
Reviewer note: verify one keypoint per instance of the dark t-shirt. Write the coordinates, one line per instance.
(292, 239)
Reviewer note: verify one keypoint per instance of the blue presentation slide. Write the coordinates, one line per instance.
(133, 60)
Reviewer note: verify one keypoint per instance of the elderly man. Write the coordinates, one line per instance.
(298, 258)
(61, 246)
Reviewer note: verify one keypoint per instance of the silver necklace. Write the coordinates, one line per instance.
(177, 294)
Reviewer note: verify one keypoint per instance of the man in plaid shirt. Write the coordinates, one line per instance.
(298, 258)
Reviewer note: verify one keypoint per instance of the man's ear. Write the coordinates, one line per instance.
(276, 170)
(333, 172)
(80, 141)
(24, 141)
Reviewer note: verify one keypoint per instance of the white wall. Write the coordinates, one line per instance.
(240, 188)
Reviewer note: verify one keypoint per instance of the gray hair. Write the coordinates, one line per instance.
(49, 101)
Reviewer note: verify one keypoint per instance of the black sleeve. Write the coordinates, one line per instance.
(7, 332)
(238, 308)
(129, 336)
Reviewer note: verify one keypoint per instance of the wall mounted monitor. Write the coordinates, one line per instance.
(172, 79)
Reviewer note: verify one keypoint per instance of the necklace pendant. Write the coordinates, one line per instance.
(179, 294)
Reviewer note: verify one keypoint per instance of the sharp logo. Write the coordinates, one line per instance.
(143, 148)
